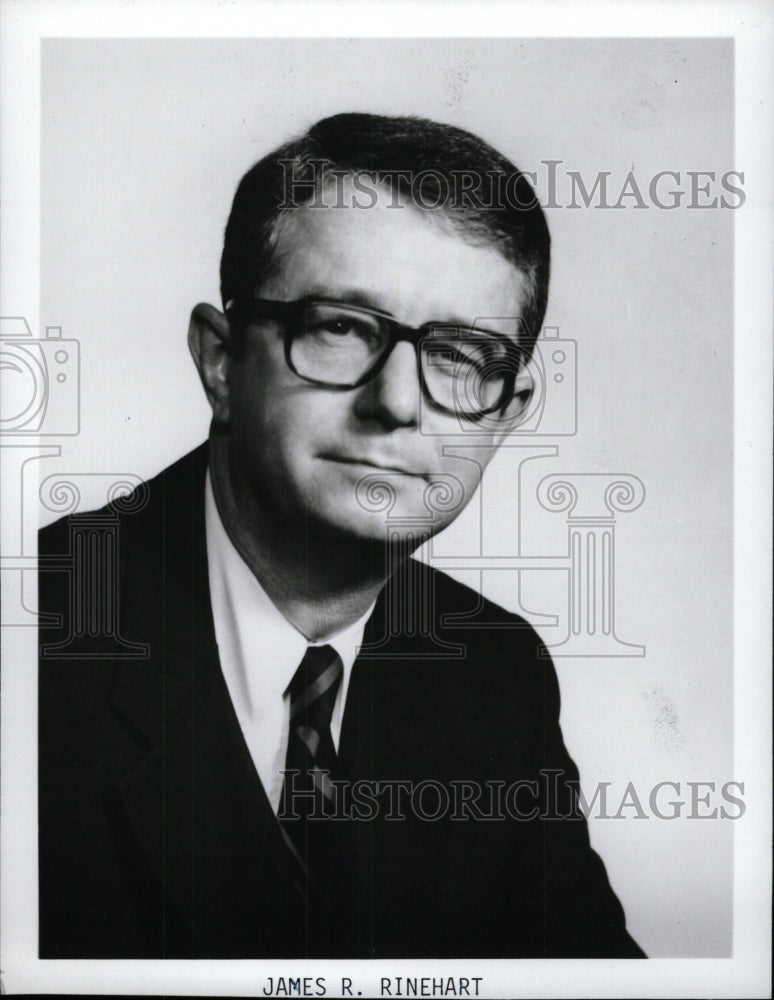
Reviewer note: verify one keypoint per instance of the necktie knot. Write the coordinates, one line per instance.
(314, 687)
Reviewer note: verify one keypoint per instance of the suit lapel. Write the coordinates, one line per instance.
(194, 800)
(201, 814)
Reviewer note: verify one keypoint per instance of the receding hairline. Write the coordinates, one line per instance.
(453, 221)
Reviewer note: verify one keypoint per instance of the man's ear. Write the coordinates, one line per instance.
(523, 388)
(209, 340)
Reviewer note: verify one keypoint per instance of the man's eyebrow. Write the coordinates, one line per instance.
(348, 296)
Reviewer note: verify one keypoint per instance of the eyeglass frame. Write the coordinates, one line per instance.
(290, 313)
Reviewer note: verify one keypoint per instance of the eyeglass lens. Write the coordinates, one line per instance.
(465, 370)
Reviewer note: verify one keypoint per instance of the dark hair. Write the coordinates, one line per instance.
(433, 166)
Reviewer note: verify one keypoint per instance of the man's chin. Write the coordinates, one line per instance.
(402, 527)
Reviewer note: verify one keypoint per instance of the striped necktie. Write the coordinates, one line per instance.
(307, 794)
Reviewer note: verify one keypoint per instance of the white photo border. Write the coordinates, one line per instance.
(24, 24)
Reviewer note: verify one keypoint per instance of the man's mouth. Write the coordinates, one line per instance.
(375, 465)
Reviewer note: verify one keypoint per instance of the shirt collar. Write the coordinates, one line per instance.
(260, 649)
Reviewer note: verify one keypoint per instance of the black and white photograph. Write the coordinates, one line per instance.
(386, 513)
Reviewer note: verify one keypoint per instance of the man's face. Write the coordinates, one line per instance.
(303, 452)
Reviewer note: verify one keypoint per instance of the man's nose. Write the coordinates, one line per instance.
(393, 397)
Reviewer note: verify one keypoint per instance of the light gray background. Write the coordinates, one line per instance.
(142, 145)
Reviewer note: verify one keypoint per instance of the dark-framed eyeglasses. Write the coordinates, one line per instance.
(464, 371)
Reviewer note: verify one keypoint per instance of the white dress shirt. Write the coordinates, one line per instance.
(260, 650)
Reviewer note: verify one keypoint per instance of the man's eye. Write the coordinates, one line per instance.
(340, 327)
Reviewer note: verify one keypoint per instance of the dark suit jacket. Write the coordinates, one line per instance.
(157, 839)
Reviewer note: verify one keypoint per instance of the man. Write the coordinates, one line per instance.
(330, 749)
